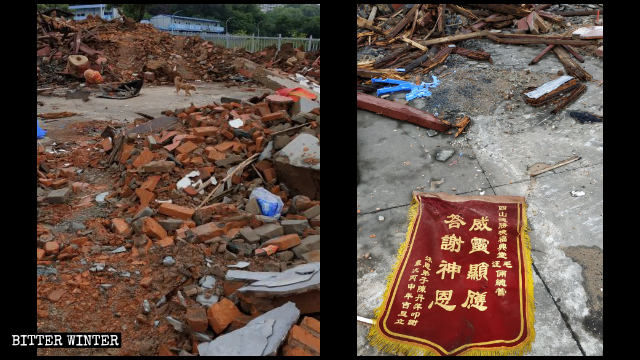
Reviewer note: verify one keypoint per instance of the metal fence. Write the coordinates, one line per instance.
(257, 43)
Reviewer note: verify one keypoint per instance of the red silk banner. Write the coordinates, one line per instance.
(462, 283)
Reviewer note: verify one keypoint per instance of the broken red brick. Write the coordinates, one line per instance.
(272, 117)
(146, 281)
(145, 157)
(298, 336)
(121, 227)
(151, 182)
(176, 211)
(51, 247)
(284, 242)
(40, 254)
(312, 325)
(269, 174)
(290, 350)
(221, 314)
(197, 318)
(145, 196)
(153, 229)
(186, 148)
(165, 242)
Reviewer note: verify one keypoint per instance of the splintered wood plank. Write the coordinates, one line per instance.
(571, 67)
(401, 112)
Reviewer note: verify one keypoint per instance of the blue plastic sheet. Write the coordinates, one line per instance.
(40, 131)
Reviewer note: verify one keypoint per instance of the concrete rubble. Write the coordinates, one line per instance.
(140, 222)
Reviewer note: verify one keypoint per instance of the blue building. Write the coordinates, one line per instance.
(186, 25)
(82, 11)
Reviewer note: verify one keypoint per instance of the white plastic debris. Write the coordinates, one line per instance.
(236, 123)
(577, 193)
(186, 181)
(100, 197)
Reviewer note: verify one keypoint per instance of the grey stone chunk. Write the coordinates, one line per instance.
(299, 118)
(294, 226)
(58, 196)
(229, 160)
(253, 207)
(311, 242)
(284, 255)
(118, 250)
(262, 336)
(201, 337)
(312, 256)
(170, 224)
(444, 155)
(312, 212)
(249, 235)
(177, 325)
(281, 141)
(168, 261)
(147, 211)
(299, 279)
(268, 231)
(267, 219)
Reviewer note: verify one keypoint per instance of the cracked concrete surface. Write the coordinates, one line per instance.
(505, 137)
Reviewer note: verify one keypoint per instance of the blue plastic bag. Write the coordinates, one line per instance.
(40, 131)
(270, 204)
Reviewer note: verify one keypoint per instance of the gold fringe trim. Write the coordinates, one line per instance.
(398, 347)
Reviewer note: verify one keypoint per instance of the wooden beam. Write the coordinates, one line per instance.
(403, 23)
(415, 44)
(454, 38)
(523, 41)
(542, 53)
(504, 9)
(571, 67)
(398, 111)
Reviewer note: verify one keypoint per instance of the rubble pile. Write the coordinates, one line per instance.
(123, 50)
(418, 38)
(186, 232)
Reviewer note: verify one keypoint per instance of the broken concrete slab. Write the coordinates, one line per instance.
(262, 336)
(154, 126)
(299, 279)
(298, 165)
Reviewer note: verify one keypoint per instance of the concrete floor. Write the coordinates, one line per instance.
(152, 100)
(505, 136)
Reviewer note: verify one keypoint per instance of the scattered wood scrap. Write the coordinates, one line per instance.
(540, 168)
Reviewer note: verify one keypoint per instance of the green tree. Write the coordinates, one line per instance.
(134, 11)
(45, 7)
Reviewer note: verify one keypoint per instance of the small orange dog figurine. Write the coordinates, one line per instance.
(182, 85)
